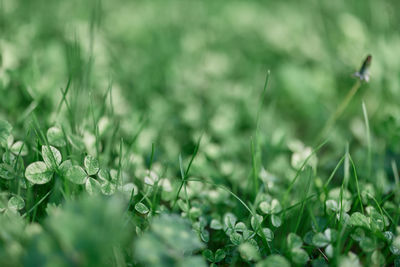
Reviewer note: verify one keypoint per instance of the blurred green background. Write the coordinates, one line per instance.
(178, 69)
(181, 68)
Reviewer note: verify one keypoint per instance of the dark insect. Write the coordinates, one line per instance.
(363, 73)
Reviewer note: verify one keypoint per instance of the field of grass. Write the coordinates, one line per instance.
(195, 133)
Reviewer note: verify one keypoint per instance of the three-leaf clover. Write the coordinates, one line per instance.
(325, 240)
(272, 208)
(78, 175)
(294, 244)
(200, 228)
(214, 258)
(41, 172)
(263, 232)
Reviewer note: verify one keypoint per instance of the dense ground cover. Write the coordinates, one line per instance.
(178, 133)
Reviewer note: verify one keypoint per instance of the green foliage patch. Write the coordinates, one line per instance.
(195, 133)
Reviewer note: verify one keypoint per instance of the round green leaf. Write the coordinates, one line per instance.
(276, 220)
(248, 251)
(76, 175)
(38, 173)
(219, 255)
(141, 208)
(92, 186)
(329, 251)
(294, 241)
(5, 131)
(56, 136)
(358, 219)
(247, 234)
(236, 238)
(308, 237)
(103, 175)
(195, 212)
(275, 206)
(91, 165)
(332, 205)
(16, 203)
(349, 260)
(299, 256)
(7, 171)
(320, 240)
(51, 156)
(19, 148)
(269, 235)
(256, 222)
(183, 205)
(208, 254)
(240, 227)
(107, 188)
(115, 176)
(331, 235)
(64, 167)
(265, 207)
(215, 224)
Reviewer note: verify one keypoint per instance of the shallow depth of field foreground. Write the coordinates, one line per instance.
(199, 133)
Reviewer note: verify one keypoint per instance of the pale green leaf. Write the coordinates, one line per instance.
(55, 137)
(38, 173)
(107, 188)
(91, 165)
(92, 186)
(358, 219)
(248, 252)
(19, 148)
(16, 203)
(240, 227)
(236, 238)
(276, 220)
(320, 240)
(299, 256)
(265, 207)
(294, 241)
(7, 171)
(51, 156)
(76, 175)
(269, 235)
(256, 222)
(215, 224)
(209, 255)
(219, 255)
(64, 167)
